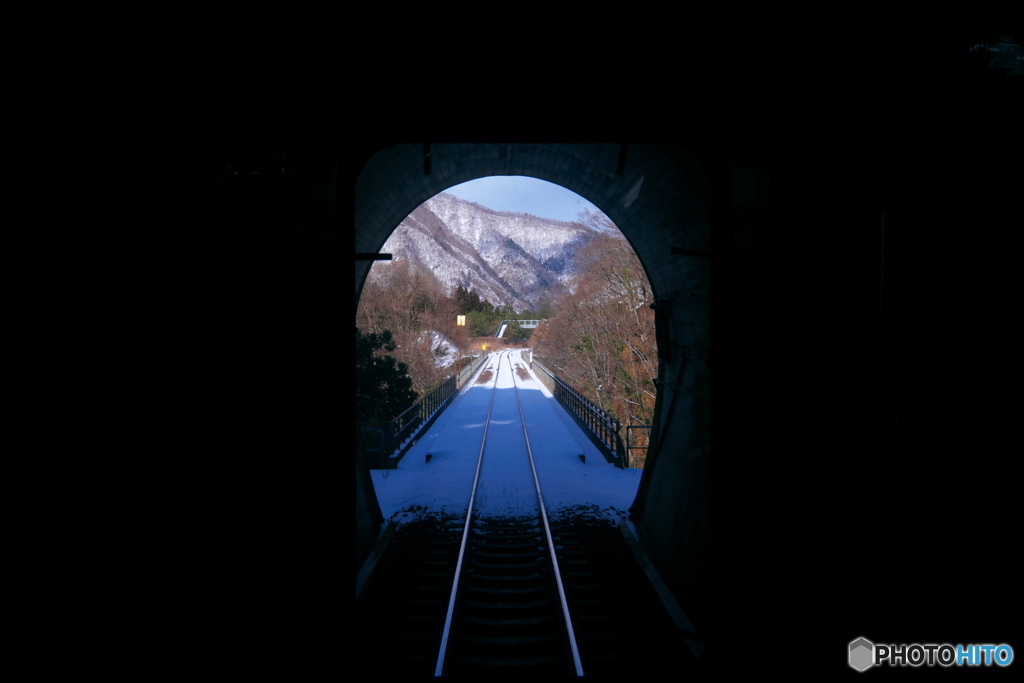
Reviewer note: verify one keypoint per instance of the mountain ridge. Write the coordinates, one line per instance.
(507, 258)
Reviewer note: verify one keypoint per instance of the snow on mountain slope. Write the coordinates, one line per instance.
(506, 258)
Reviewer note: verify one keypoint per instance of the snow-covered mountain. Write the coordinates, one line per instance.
(506, 258)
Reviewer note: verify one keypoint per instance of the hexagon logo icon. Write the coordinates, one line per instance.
(862, 654)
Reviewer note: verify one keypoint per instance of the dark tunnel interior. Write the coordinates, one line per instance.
(863, 325)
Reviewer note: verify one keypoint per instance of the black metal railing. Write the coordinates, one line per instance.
(388, 442)
(384, 440)
(470, 369)
(405, 424)
(604, 428)
(631, 459)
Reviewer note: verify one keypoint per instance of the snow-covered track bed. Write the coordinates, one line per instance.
(507, 608)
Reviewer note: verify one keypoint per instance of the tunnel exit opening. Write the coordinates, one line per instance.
(573, 292)
(661, 198)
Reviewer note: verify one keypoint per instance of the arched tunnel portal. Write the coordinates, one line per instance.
(850, 231)
(665, 199)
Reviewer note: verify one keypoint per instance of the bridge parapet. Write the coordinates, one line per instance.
(602, 428)
(396, 436)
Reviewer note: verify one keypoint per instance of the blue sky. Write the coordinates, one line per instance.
(524, 195)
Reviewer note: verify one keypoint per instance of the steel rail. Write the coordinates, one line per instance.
(547, 532)
(465, 530)
(438, 669)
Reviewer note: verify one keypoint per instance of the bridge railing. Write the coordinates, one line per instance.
(395, 437)
(402, 428)
(632, 459)
(470, 369)
(604, 429)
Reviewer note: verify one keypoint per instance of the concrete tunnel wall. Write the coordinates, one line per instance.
(662, 197)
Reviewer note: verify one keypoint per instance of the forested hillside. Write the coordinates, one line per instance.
(404, 299)
(600, 338)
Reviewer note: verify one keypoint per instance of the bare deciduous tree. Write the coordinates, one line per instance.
(601, 337)
(409, 302)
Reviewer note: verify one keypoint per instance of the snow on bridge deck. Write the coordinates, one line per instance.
(443, 484)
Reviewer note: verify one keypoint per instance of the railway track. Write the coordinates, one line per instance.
(498, 592)
(507, 609)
